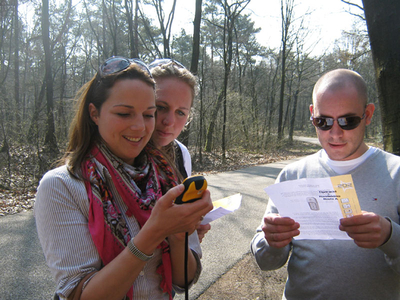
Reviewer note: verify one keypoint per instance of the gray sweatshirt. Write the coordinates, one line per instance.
(339, 269)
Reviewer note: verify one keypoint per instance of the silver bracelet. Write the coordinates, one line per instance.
(139, 254)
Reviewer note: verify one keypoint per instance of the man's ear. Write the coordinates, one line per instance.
(94, 113)
(369, 111)
(311, 109)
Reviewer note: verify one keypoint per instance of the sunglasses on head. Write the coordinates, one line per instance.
(346, 123)
(116, 64)
(164, 61)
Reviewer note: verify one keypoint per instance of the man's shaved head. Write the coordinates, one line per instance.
(339, 79)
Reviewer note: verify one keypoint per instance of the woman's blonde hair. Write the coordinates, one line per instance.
(173, 69)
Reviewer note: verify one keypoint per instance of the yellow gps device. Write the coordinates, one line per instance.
(194, 188)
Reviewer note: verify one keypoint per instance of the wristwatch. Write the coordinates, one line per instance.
(139, 254)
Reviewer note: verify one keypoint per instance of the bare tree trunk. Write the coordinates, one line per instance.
(286, 13)
(227, 64)
(131, 27)
(149, 33)
(213, 122)
(242, 113)
(293, 114)
(33, 128)
(62, 113)
(165, 27)
(106, 48)
(50, 139)
(383, 24)
(169, 27)
(103, 49)
(201, 125)
(272, 101)
(16, 71)
(135, 31)
(5, 148)
(229, 20)
(282, 93)
(194, 66)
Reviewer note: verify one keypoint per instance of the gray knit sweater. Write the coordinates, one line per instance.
(339, 269)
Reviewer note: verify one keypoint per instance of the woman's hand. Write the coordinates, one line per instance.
(168, 218)
(202, 230)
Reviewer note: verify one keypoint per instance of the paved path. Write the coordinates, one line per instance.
(311, 140)
(229, 238)
(23, 271)
(24, 274)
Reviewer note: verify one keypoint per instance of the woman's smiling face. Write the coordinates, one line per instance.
(126, 119)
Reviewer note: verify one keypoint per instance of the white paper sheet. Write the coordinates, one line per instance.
(317, 204)
(223, 207)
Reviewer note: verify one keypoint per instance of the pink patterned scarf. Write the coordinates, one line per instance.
(109, 231)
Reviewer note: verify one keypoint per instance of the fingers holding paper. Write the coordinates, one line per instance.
(368, 230)
(202, 230)
(279, 231)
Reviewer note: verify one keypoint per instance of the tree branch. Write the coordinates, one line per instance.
(361, 16)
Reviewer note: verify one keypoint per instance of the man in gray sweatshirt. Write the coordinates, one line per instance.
(368, 266)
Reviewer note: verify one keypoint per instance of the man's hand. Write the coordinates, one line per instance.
(279, 231)
(368, 230)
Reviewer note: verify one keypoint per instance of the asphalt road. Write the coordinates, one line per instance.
(23, 271)
(311, 140)
(24, 274)
(228, 241)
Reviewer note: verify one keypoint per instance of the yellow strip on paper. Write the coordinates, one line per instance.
(346, 195)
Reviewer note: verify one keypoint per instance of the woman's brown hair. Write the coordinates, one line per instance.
(83, 131)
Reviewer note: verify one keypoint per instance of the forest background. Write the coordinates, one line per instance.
(252, 98)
